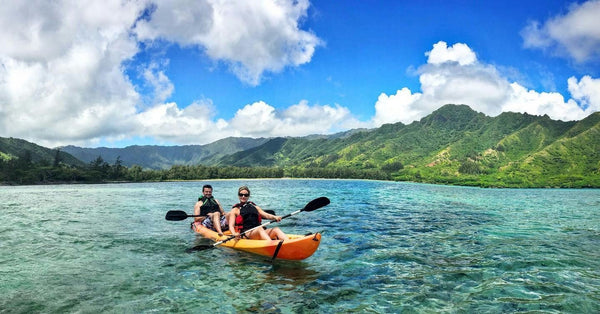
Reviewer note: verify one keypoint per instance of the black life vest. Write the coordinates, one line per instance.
(248, 217)
(209, 205)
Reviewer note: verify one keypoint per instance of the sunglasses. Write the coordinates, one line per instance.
(243, 194)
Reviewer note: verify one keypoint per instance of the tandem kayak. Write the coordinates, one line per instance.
(298, 247)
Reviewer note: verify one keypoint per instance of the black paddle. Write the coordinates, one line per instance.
(312, 205)
(176, 215)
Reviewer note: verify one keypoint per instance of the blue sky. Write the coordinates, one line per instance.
(113, 73)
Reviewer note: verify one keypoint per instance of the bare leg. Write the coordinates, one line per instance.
(278, 233)
(216, 219)
(258, 234)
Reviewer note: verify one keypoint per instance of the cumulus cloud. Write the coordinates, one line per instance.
(575, 34)
(60, 73)
(195, 123)
(453, 75)
(460, 53)
(62, 66)
(251, 37)
(260, 119)
(161, 86)
(586, 91)
(403, 106)
(190, 125)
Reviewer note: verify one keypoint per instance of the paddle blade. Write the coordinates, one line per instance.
(176, 215)
(316, 204)
(199, 248)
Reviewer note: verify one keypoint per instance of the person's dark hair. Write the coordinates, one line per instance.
(207, 186)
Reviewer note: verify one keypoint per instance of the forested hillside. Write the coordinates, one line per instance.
(453, 145)
(14, 148)
(163, 157)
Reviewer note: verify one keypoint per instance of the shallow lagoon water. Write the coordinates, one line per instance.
(387, 247)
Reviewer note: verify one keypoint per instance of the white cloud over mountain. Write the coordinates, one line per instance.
(454, 76)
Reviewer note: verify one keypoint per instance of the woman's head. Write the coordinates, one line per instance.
(244, 192)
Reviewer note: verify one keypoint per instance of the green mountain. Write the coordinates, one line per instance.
(453, 145)
(11, 148)
(163, 157)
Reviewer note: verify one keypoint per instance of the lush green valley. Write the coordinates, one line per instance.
(453, 145)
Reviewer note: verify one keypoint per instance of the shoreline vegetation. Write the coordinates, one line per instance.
(454, 145)
(21, 171)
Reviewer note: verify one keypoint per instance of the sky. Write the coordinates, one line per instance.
(115, 73)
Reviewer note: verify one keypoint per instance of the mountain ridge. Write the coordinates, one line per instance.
(163, 157)
(456, 145)
(452, 145)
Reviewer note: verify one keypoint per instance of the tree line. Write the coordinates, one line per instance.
(23, 170)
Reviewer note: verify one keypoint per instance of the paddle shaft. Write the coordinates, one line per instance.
(177, 215)
(290, 214)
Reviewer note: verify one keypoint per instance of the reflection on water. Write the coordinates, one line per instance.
(294, 273)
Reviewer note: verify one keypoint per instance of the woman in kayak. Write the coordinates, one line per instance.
(212, 215)
(246, 215)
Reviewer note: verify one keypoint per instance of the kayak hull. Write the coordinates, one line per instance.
(298, 247)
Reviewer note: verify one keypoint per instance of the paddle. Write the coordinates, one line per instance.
(175, 215)
(312, 205)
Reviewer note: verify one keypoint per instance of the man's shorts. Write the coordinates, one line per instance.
(207, 222)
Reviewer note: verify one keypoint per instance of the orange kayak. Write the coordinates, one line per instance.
(298, 247)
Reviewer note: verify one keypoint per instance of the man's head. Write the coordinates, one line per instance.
(207, 190)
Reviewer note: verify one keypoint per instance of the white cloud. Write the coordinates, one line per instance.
(190, 125)
(195, 124)
(60, 75)
(252, 37)
(454, 76)
(262, 120)
(576, 34)
(162, 88)
(540, 103)
(460, 53)
(586, 92)
(403, 106)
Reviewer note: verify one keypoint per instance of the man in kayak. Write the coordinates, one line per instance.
(211, 213)
(246, 215)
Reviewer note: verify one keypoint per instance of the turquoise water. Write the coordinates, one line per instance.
(387, 247)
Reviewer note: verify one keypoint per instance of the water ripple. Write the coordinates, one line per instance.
(386, 248)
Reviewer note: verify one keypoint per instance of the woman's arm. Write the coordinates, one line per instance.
(266, 215)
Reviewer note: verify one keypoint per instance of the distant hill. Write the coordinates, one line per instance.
(18, 148)
(452, 145)
(163, 157)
